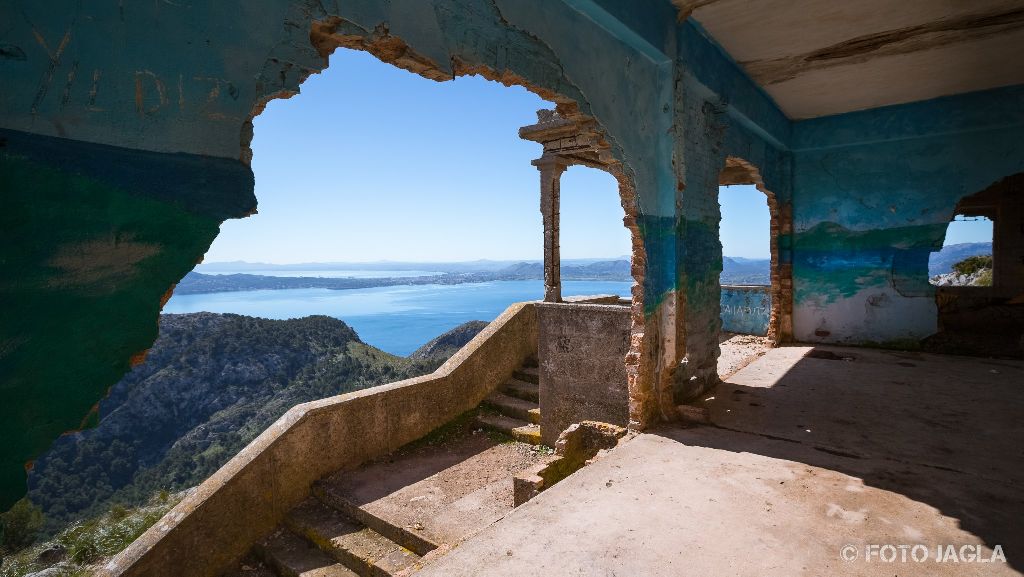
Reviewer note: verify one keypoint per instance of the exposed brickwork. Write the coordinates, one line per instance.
(640, 358)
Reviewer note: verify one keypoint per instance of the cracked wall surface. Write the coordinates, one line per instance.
(873, 194)
(125, 143)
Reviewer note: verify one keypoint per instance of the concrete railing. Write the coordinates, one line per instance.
(244, 500)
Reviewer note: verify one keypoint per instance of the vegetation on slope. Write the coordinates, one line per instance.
(210, 384)
(972, 271)
(973, 264)
(78, 549)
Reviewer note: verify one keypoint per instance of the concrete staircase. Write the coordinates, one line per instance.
(318, 540)
(514, 409)
(383, 519)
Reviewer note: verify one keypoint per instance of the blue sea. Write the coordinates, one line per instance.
(396, 319)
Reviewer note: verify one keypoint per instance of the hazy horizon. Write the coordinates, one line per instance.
(421, 262)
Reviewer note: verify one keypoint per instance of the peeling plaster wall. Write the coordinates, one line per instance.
(126, 130)
(873, 194)
(160, 97)
(719, 113)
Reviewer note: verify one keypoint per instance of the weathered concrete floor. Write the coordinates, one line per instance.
(925, 452)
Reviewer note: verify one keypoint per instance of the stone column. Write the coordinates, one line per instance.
(551, 168)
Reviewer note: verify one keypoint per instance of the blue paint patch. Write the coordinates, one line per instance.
(659, 236)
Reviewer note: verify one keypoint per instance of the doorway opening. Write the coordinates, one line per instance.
(756, 287)
(594, 246)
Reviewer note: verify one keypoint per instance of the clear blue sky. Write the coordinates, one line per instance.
(373, 163)
(975, 230)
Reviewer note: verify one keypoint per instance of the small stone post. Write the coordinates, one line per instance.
(551, 168)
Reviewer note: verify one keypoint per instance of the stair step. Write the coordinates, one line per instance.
(518, 430)
(293, 556)
(528, 374)
(353, 544)
(522, 389)
(514, 407)
(406, 538)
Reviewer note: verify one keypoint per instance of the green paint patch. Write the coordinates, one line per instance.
(831, 262)
(83, 266)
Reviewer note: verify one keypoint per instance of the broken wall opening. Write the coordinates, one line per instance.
(950, 266)
(982, 311)
(334, 32)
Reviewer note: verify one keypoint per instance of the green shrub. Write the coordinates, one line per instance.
(973, 264)
(95, 539)
(21, 525)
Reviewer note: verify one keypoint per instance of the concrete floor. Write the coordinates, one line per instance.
(738, 351)
(809, 454)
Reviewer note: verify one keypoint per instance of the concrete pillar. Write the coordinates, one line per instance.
(551, 168)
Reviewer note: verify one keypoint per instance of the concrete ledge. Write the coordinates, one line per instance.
(251, 494)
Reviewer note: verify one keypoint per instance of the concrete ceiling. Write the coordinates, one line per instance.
(823, 57)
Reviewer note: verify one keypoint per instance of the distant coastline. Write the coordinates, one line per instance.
(233, 277)
(200, 283)
(245, 276)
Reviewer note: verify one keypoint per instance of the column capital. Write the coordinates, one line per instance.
(551, 162)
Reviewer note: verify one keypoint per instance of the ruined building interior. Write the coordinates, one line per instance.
(886, 412)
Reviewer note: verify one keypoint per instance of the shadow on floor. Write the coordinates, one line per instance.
(941, 430)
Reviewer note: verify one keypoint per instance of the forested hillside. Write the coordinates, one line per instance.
(210, 384)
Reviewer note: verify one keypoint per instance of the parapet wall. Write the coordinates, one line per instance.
(746, 309)
(250, 495)
(582, 349)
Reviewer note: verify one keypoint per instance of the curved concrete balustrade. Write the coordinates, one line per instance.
(250, 494)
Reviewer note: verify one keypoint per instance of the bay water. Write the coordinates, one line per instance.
(397, 319)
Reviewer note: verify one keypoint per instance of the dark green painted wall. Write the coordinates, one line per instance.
(91, 238)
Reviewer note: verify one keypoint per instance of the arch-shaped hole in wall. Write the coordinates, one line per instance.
(430, 176)
(565, 111)
(757, 293)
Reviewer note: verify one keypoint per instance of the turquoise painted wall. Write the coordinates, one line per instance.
(92, 237)
(873, 193)
(159, 96)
